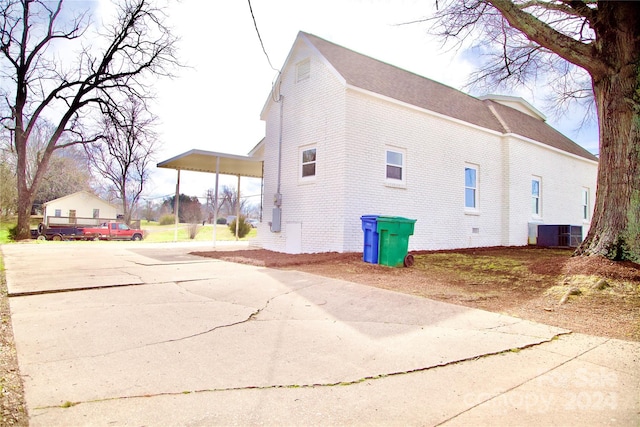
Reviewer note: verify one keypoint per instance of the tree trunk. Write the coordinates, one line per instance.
(25, 201)
(24, 215)
(615, 227)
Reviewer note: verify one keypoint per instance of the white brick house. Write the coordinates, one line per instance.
(347, 135)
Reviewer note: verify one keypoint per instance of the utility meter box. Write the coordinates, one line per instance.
(276, 220)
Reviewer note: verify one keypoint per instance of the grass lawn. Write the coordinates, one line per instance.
(4, 230)
(166, 233)
(161, 233)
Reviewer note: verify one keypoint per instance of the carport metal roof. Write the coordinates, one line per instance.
(206, 161)
(218, 163)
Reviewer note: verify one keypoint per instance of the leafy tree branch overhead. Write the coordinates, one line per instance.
(118, 60)
(525, 40)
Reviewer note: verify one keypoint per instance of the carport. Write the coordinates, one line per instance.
(218, 163)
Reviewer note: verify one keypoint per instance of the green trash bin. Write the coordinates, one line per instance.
(393, 240)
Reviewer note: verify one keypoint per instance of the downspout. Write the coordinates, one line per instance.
(262, 192)
(281, 100)
(276, 219)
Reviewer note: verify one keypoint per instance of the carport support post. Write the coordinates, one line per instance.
(215, 202)
(176, 206)
(238, 210)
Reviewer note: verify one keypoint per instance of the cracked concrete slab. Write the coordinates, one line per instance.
(214, 343)
(578, 390)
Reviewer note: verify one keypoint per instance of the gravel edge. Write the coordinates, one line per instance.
(12, 403)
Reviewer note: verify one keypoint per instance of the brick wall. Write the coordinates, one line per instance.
(351, 129)
(313, 113)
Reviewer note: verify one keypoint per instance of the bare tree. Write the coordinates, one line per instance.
(209, 206)
(229, 200)
(114, 61)
(123, 155)
(67, 173)
(603, 39)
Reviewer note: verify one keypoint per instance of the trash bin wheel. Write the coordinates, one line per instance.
(408, 260)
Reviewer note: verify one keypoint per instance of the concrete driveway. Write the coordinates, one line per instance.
(145, 334)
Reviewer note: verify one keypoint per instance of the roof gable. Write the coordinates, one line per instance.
(370, 74)
(84, 194)
(516, 103)
(379, 77)
(525, 125)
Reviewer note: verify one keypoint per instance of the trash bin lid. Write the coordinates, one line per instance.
(369, 216)
(395, 219)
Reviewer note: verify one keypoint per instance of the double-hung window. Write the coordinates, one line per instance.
(471, 187)
(307, 162)
(585, 204)
(395, 166)
(535, 197)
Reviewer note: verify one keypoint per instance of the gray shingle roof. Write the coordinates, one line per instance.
(379, 77)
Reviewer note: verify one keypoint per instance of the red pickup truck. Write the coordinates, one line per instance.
(113, 231)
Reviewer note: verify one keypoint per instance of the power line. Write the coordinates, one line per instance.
(260, 38)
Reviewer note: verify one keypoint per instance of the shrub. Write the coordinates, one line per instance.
(222, 221)
(167, 219)
(244, 227)
(193, 230)
(13, 232)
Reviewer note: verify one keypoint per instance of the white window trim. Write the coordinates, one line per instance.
(538, 215)
(303, 70)
(586, 216)
(311, 178)
(390, 182)
(474, 210)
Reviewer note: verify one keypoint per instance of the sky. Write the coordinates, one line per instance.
(214, 103)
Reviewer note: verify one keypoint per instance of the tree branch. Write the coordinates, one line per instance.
(578, 53)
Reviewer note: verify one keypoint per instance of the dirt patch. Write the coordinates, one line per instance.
(601, 297)
(12, 404)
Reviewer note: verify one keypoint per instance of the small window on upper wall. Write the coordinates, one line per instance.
(308, 162)
(58, 213)
(471, 187)
(303, 70)
(96, 213)
(535, 197)
(585, 204)
(395, 166)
